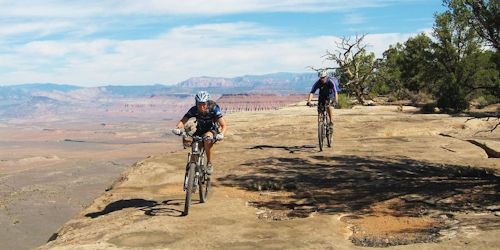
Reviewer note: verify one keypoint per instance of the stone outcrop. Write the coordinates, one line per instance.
(231, 103)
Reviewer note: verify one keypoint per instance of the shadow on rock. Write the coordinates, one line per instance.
(165, 209)
(355, 184)
(291, 149)
(150, 208)
(123, 204)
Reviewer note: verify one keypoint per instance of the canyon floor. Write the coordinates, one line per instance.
(51, 169)
(393, 178)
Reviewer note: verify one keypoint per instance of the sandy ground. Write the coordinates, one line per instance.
(392, 179)
(50, 171)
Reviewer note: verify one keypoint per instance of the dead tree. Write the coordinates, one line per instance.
(354, 63)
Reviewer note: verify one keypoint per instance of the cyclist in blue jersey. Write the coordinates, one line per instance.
(209, 123)
(328, 94)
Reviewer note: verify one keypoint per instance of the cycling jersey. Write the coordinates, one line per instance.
(326, 90)
(208, 121)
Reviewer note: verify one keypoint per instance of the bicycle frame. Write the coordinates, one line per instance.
(196, 175)
(324, 130)
(195, 156)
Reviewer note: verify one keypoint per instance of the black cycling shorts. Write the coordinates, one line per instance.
(322, 104)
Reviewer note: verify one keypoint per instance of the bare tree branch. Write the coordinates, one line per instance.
(350, 56)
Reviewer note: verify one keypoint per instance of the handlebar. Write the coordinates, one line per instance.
(201, 138)
(315, 104)
(197, 138)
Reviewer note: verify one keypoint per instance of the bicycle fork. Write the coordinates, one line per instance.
(186, 175)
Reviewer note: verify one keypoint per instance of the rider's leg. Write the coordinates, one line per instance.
(207, 144)
(330, 112)
(321, 106)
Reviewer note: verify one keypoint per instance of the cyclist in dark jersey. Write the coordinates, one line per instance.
(209, 123)
(328, 94)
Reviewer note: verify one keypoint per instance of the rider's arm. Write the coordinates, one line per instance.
(336, 93)
(223, 125)
(181, 123)
(309, 98)
(191, 113)
(313, 89)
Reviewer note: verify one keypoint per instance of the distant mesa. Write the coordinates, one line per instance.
(277, 83)
(230, 103)
(243, 93)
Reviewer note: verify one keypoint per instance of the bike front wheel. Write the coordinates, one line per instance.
(189, 184)
(204, 181)
(329, 132)
(321, 131)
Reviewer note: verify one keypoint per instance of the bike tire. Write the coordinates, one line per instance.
(329, 133)
(189, 187)
(204, 181)
(320, 132)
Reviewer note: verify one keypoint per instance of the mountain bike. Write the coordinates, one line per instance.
(324, 129)
(196, 175)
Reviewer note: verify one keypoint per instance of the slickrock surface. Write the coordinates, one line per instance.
(401, 179)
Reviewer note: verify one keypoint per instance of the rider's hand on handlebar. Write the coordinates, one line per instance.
(219, 137)
(177, 131)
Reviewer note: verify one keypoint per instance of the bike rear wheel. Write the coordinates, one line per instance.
(204, 181)
(189, 187)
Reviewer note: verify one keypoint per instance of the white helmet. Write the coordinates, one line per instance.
(323, 73)
(202, 96)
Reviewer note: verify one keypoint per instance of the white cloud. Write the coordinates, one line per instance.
(52, 9)
(378, 43)
(427, 31)
(174, 56)
(354, 18)
(43, 28)
(219, 32)
(216, 7)
(58, 49)
(91, 8)
(62, 41)
(44, 48)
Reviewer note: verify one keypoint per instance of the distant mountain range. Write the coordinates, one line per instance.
(277, 83)
(34, 100)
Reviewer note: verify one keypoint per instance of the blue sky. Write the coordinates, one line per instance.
(129, 42)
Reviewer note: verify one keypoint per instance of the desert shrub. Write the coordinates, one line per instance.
(402, 94)
(420, 98)
(344, 102)
(452, 98)
(391, 98)
(480, 102)
(428, 108)
(484, 100)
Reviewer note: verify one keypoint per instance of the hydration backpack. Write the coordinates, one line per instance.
(336, 81)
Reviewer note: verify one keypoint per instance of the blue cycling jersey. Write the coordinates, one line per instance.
(205, 121)
(326, 90)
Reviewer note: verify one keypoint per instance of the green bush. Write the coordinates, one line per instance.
(402, 94)
(428, 108)
(420, 98)
(452, 98)
(344, 102)
(484, 100)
